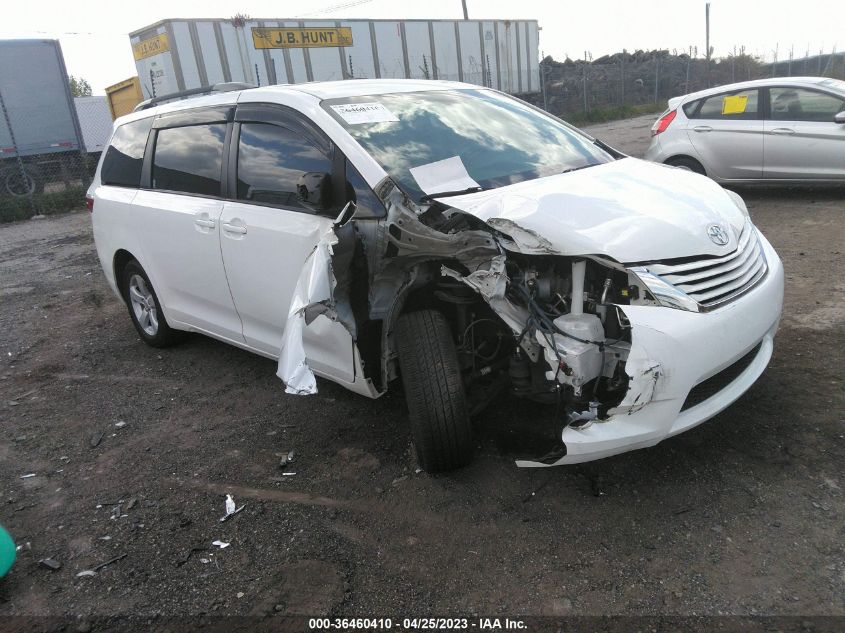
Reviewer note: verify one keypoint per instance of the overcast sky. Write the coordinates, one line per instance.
(94, 34)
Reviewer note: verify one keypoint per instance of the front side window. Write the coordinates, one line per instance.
(497, 139)
(189, 159)
(796, 104)
(734, 106)
(365, 198)
(125, 155)
(273, 161)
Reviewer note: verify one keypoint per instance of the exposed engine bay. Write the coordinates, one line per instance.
(543, 326)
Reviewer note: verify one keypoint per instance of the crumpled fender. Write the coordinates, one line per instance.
(314, 288)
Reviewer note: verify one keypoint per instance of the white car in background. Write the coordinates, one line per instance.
(779, 130)
(448, 234)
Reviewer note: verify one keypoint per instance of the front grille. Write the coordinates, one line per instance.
(715, 280)
(713, 385)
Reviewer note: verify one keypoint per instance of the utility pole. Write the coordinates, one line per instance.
(543, 80)
(464, 4)
(707, 41)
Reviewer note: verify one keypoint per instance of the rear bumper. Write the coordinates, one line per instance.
(654, 153)
(672, 352)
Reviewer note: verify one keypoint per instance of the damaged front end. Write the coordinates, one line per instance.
(525, 319)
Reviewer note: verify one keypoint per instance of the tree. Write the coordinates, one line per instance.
(79, 87)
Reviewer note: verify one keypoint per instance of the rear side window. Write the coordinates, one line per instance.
(125, 155)
(271, 160)
(740, 106)
(189, 159)
(795, 104)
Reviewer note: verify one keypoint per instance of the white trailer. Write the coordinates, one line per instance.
(178, 55)
(95, 122)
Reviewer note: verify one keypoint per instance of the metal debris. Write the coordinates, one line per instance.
(50, 563)
(27, 476)
(109, 562)
(221, 544)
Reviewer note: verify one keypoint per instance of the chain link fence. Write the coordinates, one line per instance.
(44, 168)
(580, 90)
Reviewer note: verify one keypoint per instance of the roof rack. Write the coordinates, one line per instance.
(203, 90)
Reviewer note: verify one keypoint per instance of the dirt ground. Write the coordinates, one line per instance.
(133, 450)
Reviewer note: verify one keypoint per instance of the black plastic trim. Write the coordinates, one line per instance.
(195, 116)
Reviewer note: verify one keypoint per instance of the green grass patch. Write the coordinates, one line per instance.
(14, 209)
(614, 113)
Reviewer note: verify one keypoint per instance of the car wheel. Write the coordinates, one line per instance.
(685, 162)
(434, 391)
(145, 309)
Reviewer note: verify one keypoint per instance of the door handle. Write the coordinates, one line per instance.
(209, 224)
(702, 128)
(782, 131)
(234, 228)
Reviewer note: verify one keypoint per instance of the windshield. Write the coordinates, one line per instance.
(460, 139)
(836, 84)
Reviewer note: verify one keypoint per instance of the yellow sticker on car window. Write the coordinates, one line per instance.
(734, 104)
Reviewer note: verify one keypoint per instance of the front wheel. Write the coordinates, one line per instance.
(434, 391)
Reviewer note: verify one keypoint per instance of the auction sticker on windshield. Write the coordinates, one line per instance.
(355, 113)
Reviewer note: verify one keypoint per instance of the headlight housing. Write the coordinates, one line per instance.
(663, 292)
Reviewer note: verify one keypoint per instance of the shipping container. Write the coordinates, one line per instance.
(40, 137)
(95, 122)
(177, 55)
(37, 115)
(124, 96)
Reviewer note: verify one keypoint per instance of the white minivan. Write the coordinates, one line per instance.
(447, 234)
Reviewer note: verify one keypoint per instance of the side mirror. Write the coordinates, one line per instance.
(346, 214)
(314, 190)
(839, 118)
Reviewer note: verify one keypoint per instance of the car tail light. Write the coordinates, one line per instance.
(89, 202)
(663, 122)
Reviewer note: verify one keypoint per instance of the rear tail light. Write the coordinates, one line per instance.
(663, 122)
(89, 202)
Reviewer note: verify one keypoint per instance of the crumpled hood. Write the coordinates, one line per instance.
(629, 209)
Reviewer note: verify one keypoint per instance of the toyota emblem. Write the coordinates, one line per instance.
(717, 234)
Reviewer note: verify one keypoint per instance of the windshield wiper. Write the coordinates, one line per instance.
(445, 194)
(613, 152)
(566, 171)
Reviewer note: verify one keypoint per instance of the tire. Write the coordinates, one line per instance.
(434, 391)
(685, 162)
(145, 309)
(17, 185)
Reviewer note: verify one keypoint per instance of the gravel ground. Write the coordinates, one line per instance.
(133, 450)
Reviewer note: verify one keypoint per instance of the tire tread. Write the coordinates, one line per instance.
(434, 391)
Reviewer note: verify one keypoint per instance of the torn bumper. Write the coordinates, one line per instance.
(672, 352)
